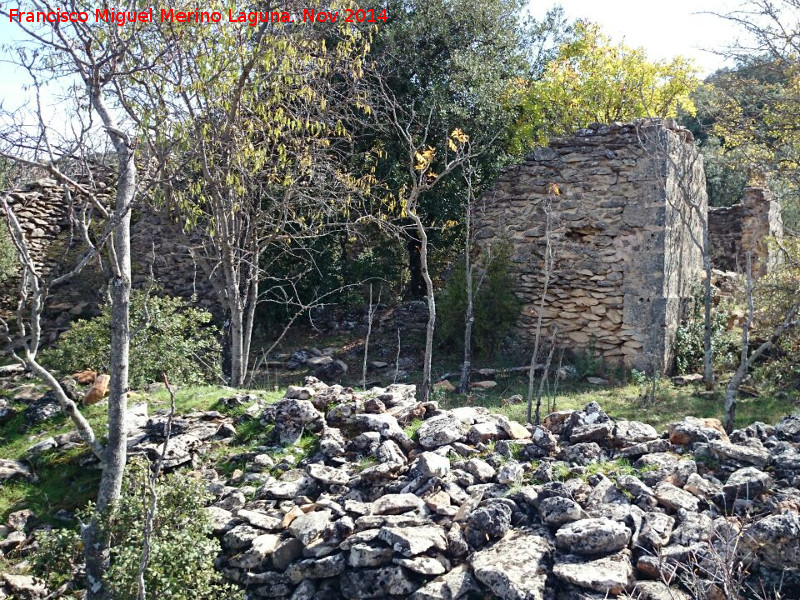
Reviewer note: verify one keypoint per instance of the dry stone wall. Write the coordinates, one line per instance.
(158, 246)
(745, 227)
(625, 204)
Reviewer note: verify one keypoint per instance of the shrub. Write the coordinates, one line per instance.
(181, 550)
(181, 565)
(689, 347)
(169, 336)
(496, 308)
(58, 556)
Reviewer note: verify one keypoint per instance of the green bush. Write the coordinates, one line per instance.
(496, 308)
(58, 556)
(169, 336)
(689, 347)
(182, 551)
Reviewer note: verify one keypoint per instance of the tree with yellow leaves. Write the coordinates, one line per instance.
(593, 80)
(254, 123)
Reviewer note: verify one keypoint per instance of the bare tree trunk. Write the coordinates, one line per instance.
(96, 546)
(429, 329)
(745, 362)
(237, 346)
(370, 314)
(548, 266)
(708, 356)
(463, 384)
(416, 282)
(397, 357)
(741, 372)
(152, 481)
(250, 316)
(466, 367)
(537, 417)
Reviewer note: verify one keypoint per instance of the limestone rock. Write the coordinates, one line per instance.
(441, 430)
(376, 583)
(24, 587)
(515, 568)
(240, 537)
(369, 555)
(557, 510)
(487, 523)
(411, 541)
(510, 473)
(327, 475)
(773, 540)
(13, 469)
(691, 430)
(293, 483)
(424, 565)
(480, 469)
(309, 526)
(788, 428)
(674, 498)
(747, 483)
(749, 456)
(260, 550)
(431, 464)
(329, 566)
(395, 504)
(261, 520)
(657, 590)
(608, 575)
(629, 433)
(593, 536)
(454, 584)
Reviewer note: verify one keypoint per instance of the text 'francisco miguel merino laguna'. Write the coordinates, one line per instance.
(167, 15)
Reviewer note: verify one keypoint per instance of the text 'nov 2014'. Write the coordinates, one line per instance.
(169, 15)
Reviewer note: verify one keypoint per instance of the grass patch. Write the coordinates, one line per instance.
(63, 484)
(624, 401)
(412, 428)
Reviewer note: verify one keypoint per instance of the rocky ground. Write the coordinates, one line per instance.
(404, 499)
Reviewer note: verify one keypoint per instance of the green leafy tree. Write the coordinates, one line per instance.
(454, 72)
(592, 79)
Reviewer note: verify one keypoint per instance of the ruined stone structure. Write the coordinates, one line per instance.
(745, 227)
(625, 205)
(43, 210)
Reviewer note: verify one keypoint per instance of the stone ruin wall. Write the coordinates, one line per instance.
(745, 227)
(156, 246)
(622, 232)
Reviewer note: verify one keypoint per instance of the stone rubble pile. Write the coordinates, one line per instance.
(475, 505)
(373, 494)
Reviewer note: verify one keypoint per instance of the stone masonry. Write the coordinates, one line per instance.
(157, 246)
(625, 204)
(745, 227)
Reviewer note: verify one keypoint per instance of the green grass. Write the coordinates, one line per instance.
(411, 429)
(64, 484)
(624, 401)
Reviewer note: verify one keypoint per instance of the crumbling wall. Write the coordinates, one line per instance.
(626, 203)
(745, 227)
(158, 248)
